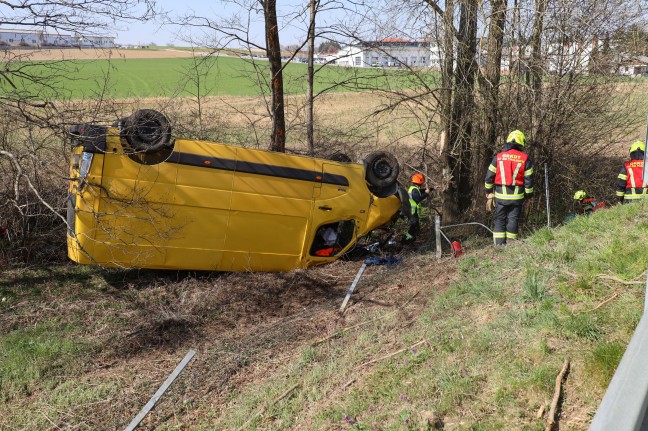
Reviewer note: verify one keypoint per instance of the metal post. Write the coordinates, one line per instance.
(437, 231)
(547, 194)
(154, 399)
(645, 169)
(352, 288)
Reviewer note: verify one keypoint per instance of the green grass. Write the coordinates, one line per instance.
(219, 76)
(496, 340)
(36, 358)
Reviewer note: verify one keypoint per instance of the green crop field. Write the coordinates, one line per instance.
(168, 77)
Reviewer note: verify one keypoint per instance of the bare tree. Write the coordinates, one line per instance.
(273, 50)
(33, 112)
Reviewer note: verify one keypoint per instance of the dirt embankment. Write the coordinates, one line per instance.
(243, 326)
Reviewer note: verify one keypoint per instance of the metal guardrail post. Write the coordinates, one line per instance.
(626, 399)
(546, 172)
(437, 231)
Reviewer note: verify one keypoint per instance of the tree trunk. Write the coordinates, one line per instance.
(310, 139)
(490, 94)
(446, 101)
(458, 152)
(536, 75)
(273, 51)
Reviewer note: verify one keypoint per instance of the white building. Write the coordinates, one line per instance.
(39, 38)
(634, 67)
(85, 41)
(570, 57)
(390, 52)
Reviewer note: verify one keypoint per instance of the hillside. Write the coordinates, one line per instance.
(468, 343)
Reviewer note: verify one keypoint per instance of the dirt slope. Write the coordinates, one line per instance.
(242, 326)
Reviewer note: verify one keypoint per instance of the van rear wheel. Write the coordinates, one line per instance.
(381, 169)
(147, 131)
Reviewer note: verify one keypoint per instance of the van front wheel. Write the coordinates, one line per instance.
(381, 169)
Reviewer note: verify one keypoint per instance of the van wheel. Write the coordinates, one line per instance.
(381, 169)
(147, 131)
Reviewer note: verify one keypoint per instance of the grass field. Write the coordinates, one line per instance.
(473, 343)
(166, 77)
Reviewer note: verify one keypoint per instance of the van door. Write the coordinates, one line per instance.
(341, 204)
(272, 200)
(203, 198)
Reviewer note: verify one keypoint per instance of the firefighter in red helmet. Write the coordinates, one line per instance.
(417, 193)
(509, 181)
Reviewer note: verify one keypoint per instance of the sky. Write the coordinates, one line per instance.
(164, 34)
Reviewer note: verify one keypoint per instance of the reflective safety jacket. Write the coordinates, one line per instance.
(416, 196)
(510, 174)
(630, 181)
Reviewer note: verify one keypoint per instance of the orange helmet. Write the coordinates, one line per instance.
(418, 179)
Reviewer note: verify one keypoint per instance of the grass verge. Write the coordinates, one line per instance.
(485, 353)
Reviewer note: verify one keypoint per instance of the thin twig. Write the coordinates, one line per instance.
(391, 354)
(270, 404)
(614, 295)
(343, 330)
(551, 419)
(618, 280)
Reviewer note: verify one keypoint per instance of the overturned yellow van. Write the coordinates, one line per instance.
(140, 199)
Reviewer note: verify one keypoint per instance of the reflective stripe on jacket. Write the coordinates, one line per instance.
(511, 175)
(416, 196)
(630, 180)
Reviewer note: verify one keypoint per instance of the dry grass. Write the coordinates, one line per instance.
(98, 54)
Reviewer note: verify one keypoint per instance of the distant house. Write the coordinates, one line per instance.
(85, 41)
(44, 39)
(390, 52)
(634, 67)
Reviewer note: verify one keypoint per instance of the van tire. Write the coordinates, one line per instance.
(381, 169)
(147, 131)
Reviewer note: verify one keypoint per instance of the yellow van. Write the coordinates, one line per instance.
(140, 199)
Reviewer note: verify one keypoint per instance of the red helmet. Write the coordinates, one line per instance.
(418, 179)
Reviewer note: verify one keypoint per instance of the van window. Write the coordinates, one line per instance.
(332, 238)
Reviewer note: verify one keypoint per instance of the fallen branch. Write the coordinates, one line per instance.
(608, 277)
(613, 296)
(618, 280)
(551, 419)
(349, 383)
(391, 354)
(270, 404)
(541, 411)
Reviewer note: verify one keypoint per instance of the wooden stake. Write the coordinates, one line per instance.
(551, 419)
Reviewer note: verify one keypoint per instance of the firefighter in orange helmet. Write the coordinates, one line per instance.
(509, 181)
(417, 193)
(630, 182)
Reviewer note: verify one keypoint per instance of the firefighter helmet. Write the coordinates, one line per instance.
(638, 145)
(580, 195)
(418, 179)
(517, 137)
